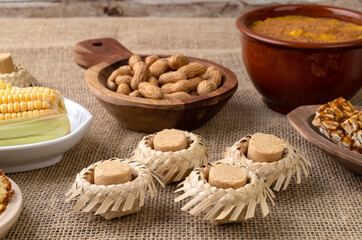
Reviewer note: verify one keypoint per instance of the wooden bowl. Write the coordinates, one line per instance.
(290, 74)
(102, 56)
(301, 119)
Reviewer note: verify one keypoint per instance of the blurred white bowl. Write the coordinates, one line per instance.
(12, 211)
(39, 155)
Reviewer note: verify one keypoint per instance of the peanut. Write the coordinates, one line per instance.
(193, 93)
(111, 85)
(177, 61)
(195, 82)
(159, 67)
(123, 79)
(123, 70)
(193, 69)
(153, 80)
(215, 77)
(133, 59)
(151, 59)
(177, 95)
(180, 86)
(135, 93)
(171, 77)
(150, 91)
(206, 75)
(206, 87)
(141, 72)
(123, 89)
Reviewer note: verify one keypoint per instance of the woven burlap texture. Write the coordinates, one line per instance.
(325, 206)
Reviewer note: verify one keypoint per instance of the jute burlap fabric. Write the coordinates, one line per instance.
(327, 205)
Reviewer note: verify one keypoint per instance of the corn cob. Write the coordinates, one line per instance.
(30, 115)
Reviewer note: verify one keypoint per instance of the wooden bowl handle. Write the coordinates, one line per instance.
(91, 52)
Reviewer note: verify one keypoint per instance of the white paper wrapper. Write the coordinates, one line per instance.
(20, 77)
(277, 172)
(224, 205)
(112, 201)
(172, 166)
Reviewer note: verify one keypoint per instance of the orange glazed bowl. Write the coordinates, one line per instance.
(290, 74)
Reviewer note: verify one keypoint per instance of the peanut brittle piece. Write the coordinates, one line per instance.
(329, 117)
(353, 128)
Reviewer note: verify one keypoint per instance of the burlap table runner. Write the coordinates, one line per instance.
(326, 206)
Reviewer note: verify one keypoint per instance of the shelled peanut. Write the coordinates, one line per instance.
(164, 78)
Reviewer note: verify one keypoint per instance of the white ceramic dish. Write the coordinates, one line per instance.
(12, 211)
(39, 155)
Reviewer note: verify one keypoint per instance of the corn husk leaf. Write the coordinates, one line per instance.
(220, 205)
(171, 167)
(33, 129)
(279, 172)
(111, 201)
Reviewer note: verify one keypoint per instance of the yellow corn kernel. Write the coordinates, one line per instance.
(3, 108)
(19, 114)
(10, 108)
(35, 112)
(10, 98)
(46, 97)
(30, 113)
(39, 96)
(37, 105)
(2, 116)
(42, 112)
(23, 106)
(14, 115)
(4, 99)
(2, 85)
(9, 86)
(21, 97)
(15, 98)
(24, 114)
(26, 97)
(45, 105)
(32, 96)
(7, 116)
(16, 107)
(30, 106)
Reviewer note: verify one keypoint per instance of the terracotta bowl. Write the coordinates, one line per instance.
(102, 56)
(290, 74)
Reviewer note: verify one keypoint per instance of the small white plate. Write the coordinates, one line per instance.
(39, 155)
(12, 211)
